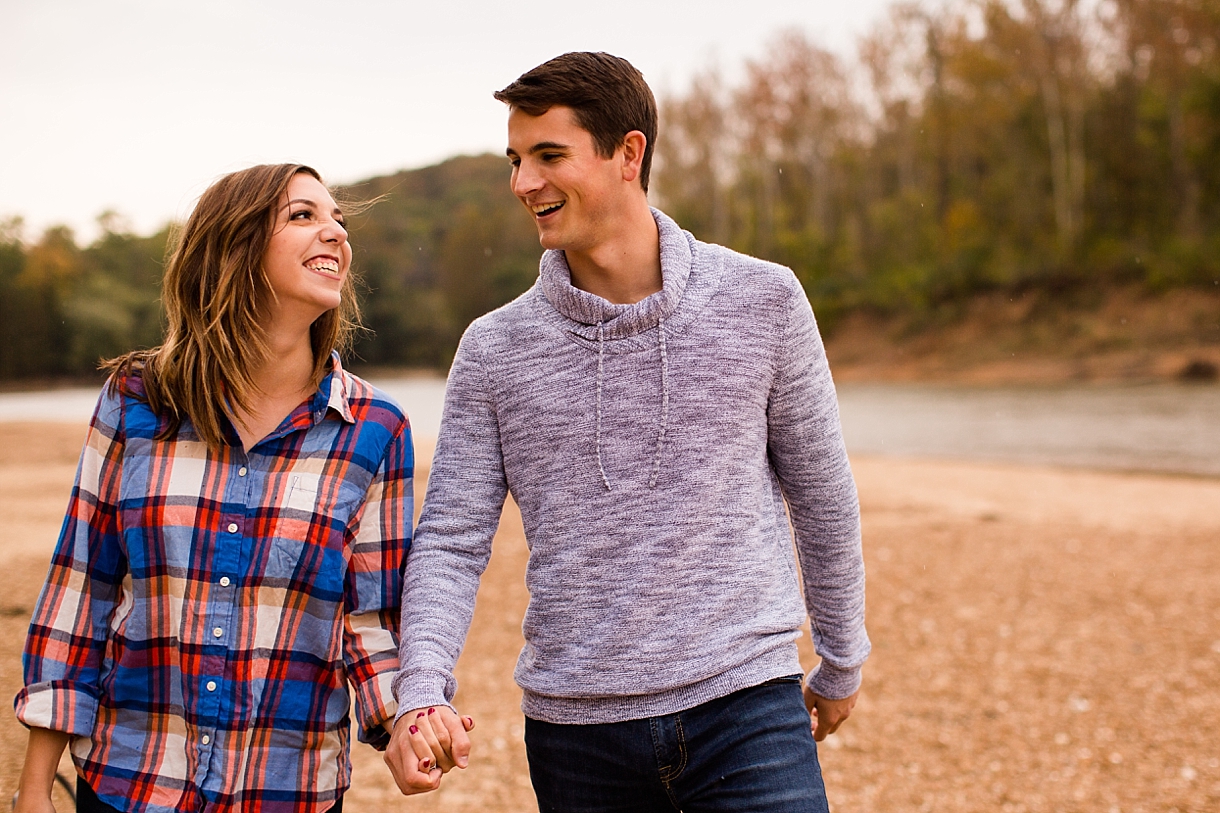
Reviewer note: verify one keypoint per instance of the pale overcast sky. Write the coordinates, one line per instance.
(136, 105)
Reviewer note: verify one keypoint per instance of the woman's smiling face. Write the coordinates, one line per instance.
(308, 256)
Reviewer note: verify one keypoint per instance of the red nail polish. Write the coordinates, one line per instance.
(426, 764)
(432, 711)
(413, 730)
(421, 714)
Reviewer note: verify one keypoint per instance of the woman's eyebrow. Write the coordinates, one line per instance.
(310, 204)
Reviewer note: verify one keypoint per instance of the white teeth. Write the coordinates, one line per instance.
(543, 208)
(329, 266)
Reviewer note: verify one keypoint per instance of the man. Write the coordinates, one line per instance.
(650, 403)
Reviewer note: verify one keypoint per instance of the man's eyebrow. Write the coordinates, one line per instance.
(539, 147)
(547, 145)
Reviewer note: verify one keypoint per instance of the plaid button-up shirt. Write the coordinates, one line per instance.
(205, 612)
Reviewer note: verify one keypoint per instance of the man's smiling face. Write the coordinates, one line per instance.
(571, 191)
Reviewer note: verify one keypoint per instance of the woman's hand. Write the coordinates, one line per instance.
(425, 744)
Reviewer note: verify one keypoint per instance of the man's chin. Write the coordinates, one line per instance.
(550, 240)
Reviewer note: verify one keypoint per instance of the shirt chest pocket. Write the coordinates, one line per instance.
(302, 493)
(310, 527)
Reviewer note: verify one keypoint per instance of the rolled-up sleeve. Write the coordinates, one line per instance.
(373, 589)
(66, 644)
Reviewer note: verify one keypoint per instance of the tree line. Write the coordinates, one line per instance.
(971, 146)
(1058, 146)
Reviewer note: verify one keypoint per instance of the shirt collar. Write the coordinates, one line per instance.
(587, 310)
(334, 392)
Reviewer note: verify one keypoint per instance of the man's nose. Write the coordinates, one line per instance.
(525, 179)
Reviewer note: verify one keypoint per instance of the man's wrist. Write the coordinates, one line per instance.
(832, 682)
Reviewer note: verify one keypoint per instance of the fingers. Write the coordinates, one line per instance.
(423, 744)
(410, 759)
(822, 729)
(436, 736)
(446, 731)
(825, 715)
(459, 743)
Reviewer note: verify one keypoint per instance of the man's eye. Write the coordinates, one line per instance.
(514, 162)
(551, 156)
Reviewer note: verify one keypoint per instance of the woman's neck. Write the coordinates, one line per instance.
(283, 380)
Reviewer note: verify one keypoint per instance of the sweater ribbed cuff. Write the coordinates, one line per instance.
(832, 682)
(423, 689)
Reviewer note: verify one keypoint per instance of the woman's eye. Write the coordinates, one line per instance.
(304, 214)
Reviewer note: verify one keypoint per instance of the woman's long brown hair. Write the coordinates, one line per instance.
(214, 294)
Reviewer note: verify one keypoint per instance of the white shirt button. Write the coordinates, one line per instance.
(205, 739)
(224, 581)
(211, 685)
(241, 472)
(232, 527)
(217, 632)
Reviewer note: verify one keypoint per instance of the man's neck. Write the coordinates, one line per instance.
(625, 268)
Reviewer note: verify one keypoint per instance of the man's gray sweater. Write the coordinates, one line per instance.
(650, 448)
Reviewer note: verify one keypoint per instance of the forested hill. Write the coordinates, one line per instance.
(443, 245)
(446, 244)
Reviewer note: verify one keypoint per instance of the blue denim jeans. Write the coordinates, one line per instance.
(749, 751)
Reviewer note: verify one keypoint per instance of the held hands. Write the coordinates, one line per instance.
(825, 716)
(425, 744)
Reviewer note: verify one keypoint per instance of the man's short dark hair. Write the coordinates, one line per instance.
(606, 93)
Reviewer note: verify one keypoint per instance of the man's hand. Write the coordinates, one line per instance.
(825, 716)
(424, 745)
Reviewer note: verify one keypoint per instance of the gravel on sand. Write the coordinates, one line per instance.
(1044, 640)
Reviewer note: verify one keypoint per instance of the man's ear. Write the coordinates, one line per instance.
(633, 154)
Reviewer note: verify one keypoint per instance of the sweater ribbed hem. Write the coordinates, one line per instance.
(593, 710)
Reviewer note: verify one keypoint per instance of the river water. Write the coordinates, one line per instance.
(1159, 428)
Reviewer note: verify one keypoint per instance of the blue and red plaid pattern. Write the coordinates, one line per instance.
(205, 612)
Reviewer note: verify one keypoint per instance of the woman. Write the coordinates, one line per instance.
(233, 550)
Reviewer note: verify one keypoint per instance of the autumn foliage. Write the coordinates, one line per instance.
(969, 147)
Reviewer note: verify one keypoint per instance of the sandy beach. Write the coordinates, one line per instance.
(1044, 640)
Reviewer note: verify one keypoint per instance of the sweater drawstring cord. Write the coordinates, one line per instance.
(601, 352)
(656, 463)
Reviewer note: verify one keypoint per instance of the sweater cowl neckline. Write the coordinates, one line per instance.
(588, 310)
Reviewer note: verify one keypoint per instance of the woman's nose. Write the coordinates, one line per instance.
(334, 232)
